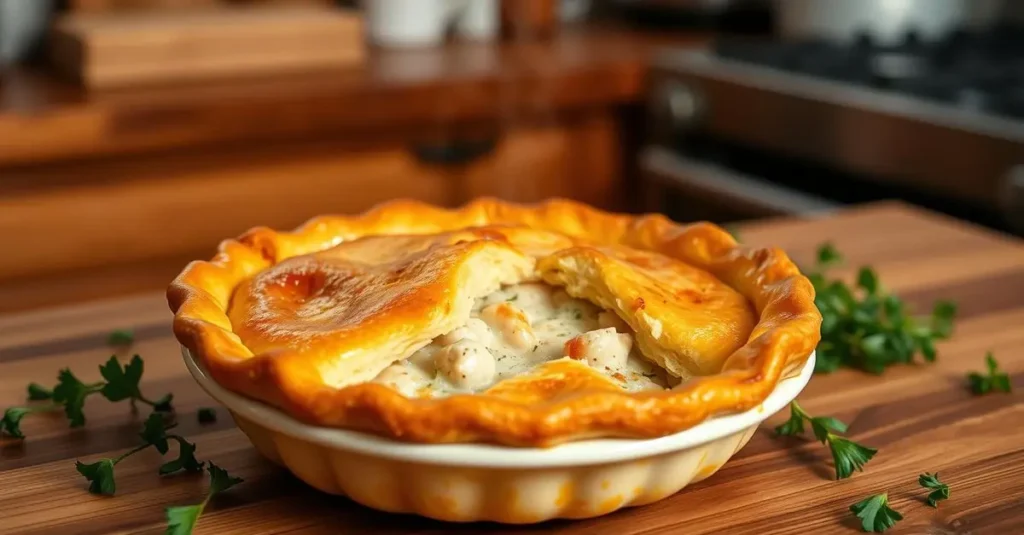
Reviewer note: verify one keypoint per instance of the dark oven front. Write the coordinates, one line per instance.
(727, 143)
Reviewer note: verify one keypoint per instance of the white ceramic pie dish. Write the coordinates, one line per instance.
(475, 482)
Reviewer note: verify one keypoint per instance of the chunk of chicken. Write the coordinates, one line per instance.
(511, 323)
(601, 348)
(466, 364)
(475, 329)
(400, 378)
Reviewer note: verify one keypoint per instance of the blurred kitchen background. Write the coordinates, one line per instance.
(135, 134)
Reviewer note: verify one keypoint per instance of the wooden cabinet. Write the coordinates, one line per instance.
(87, 229)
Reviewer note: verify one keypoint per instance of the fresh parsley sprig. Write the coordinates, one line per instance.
(120, 383)
(100, 474)
(69, 394)
(993, 381)
(864, 327)
(939, 490)
(847, 455)
(182, 520)
(875, 514)
(121, 337)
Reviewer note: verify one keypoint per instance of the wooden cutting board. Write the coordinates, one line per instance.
(922, 418)
(121, 48)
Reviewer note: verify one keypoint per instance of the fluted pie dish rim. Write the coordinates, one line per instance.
(486, 482)
(586, 452)
(297, 378)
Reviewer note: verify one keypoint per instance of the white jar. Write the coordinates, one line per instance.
(413, 23)
(476, 19)
(406, 22)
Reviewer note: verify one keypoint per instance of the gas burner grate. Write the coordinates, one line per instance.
(982, 72)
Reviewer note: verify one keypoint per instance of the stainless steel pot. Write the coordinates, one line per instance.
(885, 21)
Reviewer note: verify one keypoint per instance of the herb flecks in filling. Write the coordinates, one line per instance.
(516, 329)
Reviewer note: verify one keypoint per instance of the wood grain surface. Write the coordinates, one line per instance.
(921, 417)
(418, 91)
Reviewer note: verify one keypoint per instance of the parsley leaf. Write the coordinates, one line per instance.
(71, 393)
(123, 383)
(37, 392)
(186, 458)
(154, 433)
(846, 454)
(206, 415)
(942, 318)
(220, 480)
(828, 255)
(11, 421)
(939, 490)
(864, 327)
(875, 514)
(182, 520)
(121, 337)
(993, 381)
(100, 474)
(825, 425)
(795, 425)
(163, 404)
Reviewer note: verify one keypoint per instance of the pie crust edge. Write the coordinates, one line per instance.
(781, 342)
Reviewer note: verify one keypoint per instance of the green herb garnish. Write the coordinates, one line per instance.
(846, 454)
(71, 393)
(206, 415)
(37, 392)
(864, 327)
(120, 383)
(828, 255)
(993, 381)
(123, 383)
(182, 520)
(121, 337)
(11, 421)
(939, 490)
(875, 514)
(100, 474)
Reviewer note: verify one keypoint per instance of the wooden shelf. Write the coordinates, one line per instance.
(46, 119)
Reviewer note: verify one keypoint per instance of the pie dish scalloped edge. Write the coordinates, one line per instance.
(483, 482)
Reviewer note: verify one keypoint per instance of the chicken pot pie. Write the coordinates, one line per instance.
(497, 322)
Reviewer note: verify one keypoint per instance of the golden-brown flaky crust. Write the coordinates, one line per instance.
(786, 332)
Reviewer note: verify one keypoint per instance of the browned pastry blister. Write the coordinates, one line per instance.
(302, 320)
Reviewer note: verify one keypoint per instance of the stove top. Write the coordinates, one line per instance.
(940, 119)
(979, 72)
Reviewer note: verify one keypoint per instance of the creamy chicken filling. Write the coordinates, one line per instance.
(516, 329)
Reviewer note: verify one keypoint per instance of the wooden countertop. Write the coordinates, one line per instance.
(43, 118)
(922, 418)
